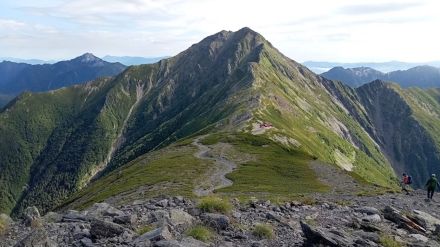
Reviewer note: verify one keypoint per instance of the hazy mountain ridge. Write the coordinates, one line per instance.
(420, 76)
(131, 60)
(385, 67)
(19, 77)
(230, 82)
(27, 61)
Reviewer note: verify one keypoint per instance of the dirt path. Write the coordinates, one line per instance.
(217, 179)
(337, 179)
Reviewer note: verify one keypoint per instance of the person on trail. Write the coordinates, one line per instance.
(406, 181)
(430, 185)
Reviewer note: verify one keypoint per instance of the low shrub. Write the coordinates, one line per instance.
(201, 233)
(214, 205)
(5, 221)
(144, 229)
(263, 231)
(389, 241)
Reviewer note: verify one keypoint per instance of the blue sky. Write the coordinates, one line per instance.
(337, 30)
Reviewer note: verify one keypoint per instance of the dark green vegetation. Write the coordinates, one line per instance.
(129, 137)
(144, 229)
(4, 223)
(16, 78)
(201, 233)
(419, 76)
(389, 241)
(214, 205)
(263, 231)
(150, 175)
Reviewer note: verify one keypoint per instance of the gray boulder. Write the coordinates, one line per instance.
(52, 217)
(128, 220)
(367, 210)
(180, 219)
(37, 238)
(86, 242)
(161, 217)
(191, 242)
(401, 220)
(74, 216)
(371, 218)
(105, 229)
(216, 221)
(426, 220)
(142, 241)
(161, 233)
(167, 243)
(319, 236)
(99, 210)
(419, 238)
(31, 216)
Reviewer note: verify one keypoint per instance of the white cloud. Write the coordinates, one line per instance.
(342, 30)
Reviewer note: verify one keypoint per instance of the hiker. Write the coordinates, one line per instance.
(406, 181)
(431, 184)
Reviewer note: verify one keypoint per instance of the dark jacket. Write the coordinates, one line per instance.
(432, 183)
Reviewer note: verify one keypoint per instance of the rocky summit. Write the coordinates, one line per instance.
(386, 220)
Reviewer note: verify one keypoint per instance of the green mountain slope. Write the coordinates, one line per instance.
(311, 113)
(118, 119)
(131, 134)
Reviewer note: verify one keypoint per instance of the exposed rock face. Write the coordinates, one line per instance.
(294, 224)
(31, 216)
(105, 229)
(37, 238)
(216, 221)
(398, 131)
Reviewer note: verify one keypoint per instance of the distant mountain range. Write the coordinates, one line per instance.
(28, 61)
(420, 76)
(19, 77)
(321, 67)
(127, 60)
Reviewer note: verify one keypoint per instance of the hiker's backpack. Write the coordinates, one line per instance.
(409, 180)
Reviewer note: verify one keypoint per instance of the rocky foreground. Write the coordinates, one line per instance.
(386, 220)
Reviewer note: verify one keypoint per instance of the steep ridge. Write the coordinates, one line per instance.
(230, 82)
(179, 96)
(406, 127)
(310, 113)
(308, 116)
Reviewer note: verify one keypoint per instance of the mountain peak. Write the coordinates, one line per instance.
(88, 58)
(247, 30)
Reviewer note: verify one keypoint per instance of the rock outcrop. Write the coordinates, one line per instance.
(335, 221)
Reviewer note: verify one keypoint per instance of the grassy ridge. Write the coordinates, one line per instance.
(171, 171)
(275, 172)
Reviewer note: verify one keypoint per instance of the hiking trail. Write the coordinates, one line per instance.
(222, 166)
